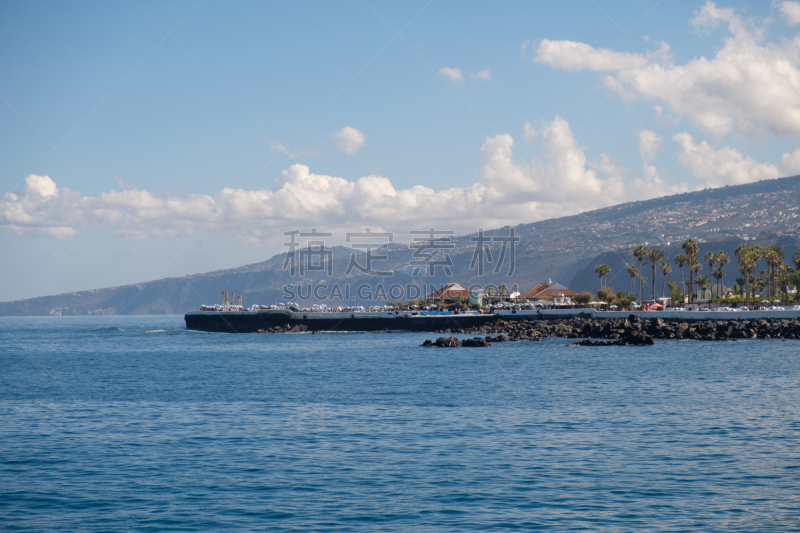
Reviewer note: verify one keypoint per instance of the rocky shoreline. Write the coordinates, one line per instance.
(635, 331)
(605, 332)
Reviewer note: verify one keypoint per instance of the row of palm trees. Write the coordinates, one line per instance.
(690, 258)
(778, 273)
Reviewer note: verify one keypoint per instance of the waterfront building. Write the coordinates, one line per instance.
(448, 293)
(549, 291)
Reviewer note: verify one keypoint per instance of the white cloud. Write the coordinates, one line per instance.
(121, 183)
(483, 75)
(529, 133)
(41, 186)
(558, 182)
(348, 140)
(727, 165)
(746, 86)
(452, 74)
(791, 11)
(711, 16)
(569, 55)
(649, 143)
(281, 148)
(524, 47)
(608, 166)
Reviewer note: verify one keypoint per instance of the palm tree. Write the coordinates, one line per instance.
(717, 273)
(633, 271)
(704, 283)
(666, 268)
(606, 272)
(746, 257)
(739, 282)
(694, 266)
(639, 252)
(691, 250)
(500, 290)
(741, 250)
(653, 256)
(795, 280)
(673, 287)
(773, 256)
(722, 260)
(761, 283)
(681, 260)
(642, 281)
(710, 258)
(758, 254)
(784, 280)
(599, 271)
(602, 271)
(796, 259)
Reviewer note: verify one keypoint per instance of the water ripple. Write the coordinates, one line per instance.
(113, 424)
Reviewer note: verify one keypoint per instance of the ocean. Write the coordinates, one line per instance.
(136, 424)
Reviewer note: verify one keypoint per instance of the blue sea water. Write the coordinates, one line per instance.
(135, 424)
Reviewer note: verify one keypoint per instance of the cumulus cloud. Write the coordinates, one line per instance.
(711, 16)
(122, 184)
(528, 132)
(40, 186)
(482, 75)
(348, 140)
(649, 143)
(642, 187)
(791, 12)
(452, 74)
(608, 166)
(569, 55)
(727, 165)
(557, 182)
(747, 85)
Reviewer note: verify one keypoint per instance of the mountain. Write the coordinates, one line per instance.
(564, 249)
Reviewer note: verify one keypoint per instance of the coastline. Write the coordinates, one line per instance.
(519, 325)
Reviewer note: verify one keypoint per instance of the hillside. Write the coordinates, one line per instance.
(564, 249)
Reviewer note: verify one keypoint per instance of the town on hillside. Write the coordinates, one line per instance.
(766, 281)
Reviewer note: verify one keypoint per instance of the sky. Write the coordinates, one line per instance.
(141, 140)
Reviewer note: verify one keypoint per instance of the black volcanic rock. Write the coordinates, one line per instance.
(638, 331)
(443, 342)
(452, 342)
(476, 342)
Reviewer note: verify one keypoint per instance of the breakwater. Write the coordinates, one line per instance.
(637, 330)
(579, 323)
(288, 321)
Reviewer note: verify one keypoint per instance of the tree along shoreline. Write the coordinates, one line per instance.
(774, 283)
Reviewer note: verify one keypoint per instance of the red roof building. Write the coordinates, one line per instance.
(448, 293)
(548, 291)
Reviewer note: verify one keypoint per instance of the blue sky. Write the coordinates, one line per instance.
(168, 157)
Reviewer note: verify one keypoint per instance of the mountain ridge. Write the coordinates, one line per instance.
(559, 248)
